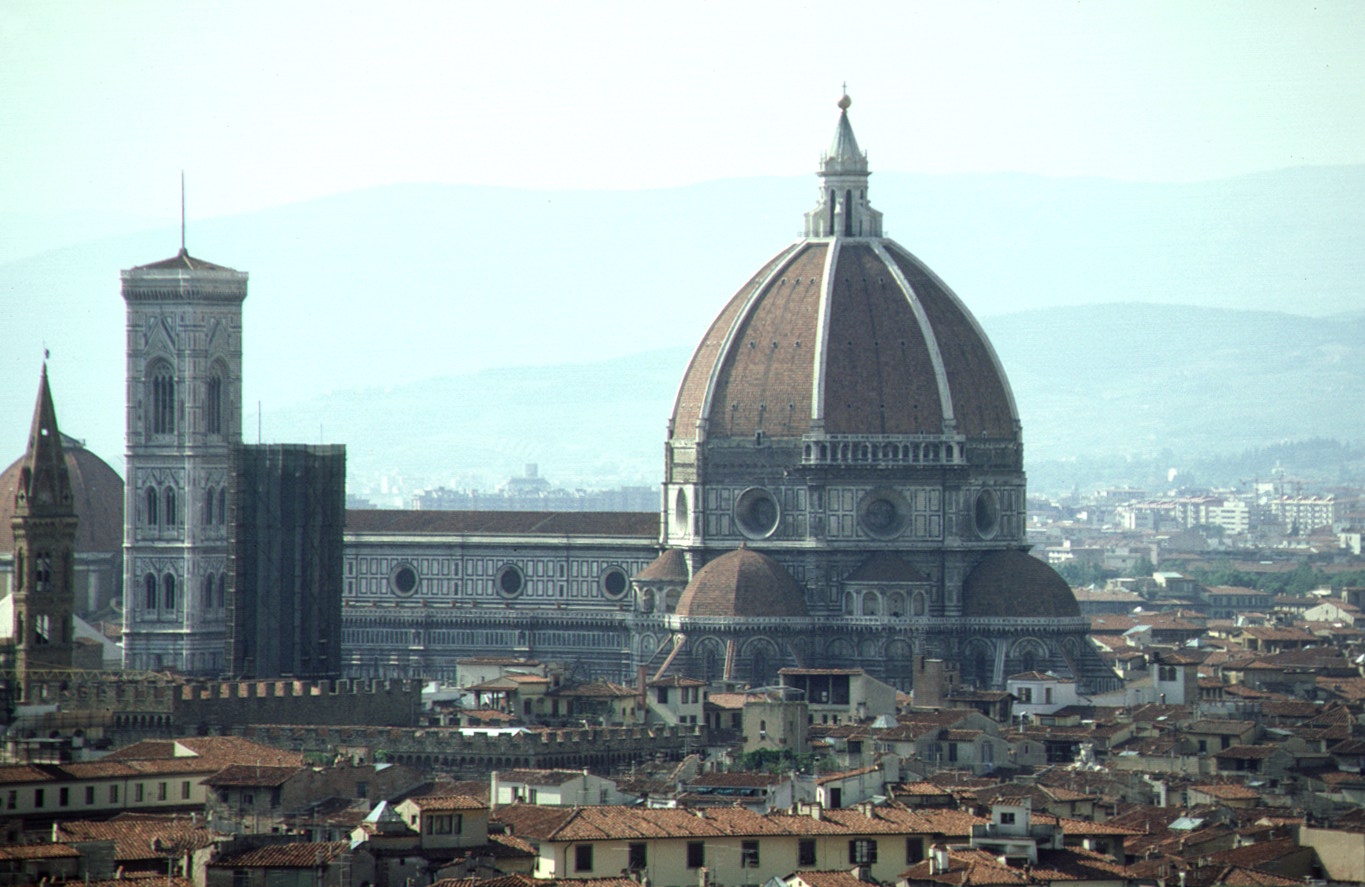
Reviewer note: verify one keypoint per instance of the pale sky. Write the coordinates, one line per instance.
(269, 102)
(262, 103)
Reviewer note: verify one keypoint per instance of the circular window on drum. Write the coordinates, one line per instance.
(883, 513)
(986, 514)
(510, 582)
(614, 583)
(403, 580)
(757, 513)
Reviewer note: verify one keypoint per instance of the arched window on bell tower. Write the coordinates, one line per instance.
(161, 399)
(42, 571)
(213, 403)
(153, 509)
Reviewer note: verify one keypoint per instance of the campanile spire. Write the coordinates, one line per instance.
(44, 525)
(45, 488)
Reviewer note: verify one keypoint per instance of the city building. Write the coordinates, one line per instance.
(284, 612)
(184, 414)
(843, 487)
(37, 624)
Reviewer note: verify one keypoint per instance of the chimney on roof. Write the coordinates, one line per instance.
(938, 859)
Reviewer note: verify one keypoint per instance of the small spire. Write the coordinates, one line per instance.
(844, 155)
(183, 251)
(44, 482)
(843, 209)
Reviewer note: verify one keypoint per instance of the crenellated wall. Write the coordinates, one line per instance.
(159, 706)
(388, 703)
(448, 750)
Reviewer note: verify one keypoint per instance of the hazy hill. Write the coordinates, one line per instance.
(1112, 392)
(383, 288)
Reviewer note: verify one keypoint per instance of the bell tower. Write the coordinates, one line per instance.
(184, 414)
(44, 526)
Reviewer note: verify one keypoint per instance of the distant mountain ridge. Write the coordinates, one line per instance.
(1095, 384)
(386, 287)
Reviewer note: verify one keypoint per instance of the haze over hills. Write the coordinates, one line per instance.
(355, 299)
(1119, 393)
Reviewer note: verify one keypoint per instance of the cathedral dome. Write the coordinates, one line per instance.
(97, 492)
(1012, 583)
(670, 566)
(844, 333)
(743, 583)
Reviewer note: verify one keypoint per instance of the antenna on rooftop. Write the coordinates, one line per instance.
(182, 210)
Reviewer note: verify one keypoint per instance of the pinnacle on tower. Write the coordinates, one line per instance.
(45, 486)
(844, 155)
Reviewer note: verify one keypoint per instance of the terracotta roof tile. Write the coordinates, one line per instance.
(133, 834)
(448, 802)
(539, 777)
(251, 775)
(830, 879)
(285, 856)
(19, 852)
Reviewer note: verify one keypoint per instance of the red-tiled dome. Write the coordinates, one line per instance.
(743, 583)
(96, 489)
(844, 332)
(670, 566)
(1012, 583)
(867, 340)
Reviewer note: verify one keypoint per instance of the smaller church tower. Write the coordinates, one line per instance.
(44, 525)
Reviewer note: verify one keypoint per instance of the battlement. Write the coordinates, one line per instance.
(454, 750)
(381, 702)
(295, 689)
